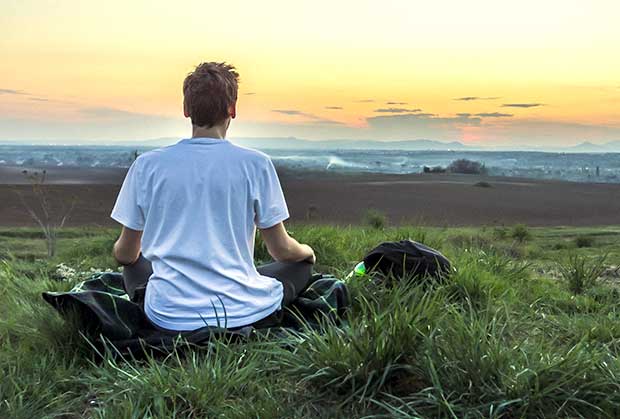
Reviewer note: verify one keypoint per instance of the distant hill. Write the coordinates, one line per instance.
(410, 145)
(293, 143)
(588, 147)
(287, 143)
(296, 143)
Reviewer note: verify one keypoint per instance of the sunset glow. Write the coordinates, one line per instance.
(482, 72)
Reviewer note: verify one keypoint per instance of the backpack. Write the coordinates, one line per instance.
(407, 258)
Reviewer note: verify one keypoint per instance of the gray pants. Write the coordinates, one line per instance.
(294, 276)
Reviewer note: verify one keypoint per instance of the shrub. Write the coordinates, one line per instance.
(584, 241)
(581, 273)
(467, 167)
(560, 246)
(520, 233)
(51, 218)
(312, 212)
(483, 185)
(375, 219)
(436, 169)
(500, 233)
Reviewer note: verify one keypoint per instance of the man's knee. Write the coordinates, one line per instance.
(284, 270)
(136, 275)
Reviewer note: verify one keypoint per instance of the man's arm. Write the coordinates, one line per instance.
(127, 247)
(284, 248)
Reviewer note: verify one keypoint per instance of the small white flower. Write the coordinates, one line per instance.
(64, 272)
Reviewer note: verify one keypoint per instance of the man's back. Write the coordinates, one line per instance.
(198, 204)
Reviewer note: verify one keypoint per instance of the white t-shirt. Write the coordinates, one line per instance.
(198, 203)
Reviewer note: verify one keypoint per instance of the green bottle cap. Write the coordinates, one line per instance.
(360, 269)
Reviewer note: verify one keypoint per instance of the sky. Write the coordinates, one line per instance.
(484, 72)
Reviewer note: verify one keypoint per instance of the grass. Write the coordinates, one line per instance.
(507, 336)
(581, 273)
(375, 219)
(520, 232)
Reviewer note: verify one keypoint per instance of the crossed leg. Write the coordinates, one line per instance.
(294, 276)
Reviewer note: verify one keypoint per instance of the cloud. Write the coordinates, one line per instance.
(294, 112)
(492, 131)
(313, 119)
(106, 124)
(311, 130)
(30, 96)
(470, 98)
(323, 121)
(494, 115)
(333, 107)
(365, 101)
(421, 125)
(521, 105)
(426, 118)
(396, 103)
(103, 112)
(13, 92)
(397, 110)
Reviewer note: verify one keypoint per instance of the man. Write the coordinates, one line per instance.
(192, 210)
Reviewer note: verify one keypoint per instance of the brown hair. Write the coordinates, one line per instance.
(209, 91)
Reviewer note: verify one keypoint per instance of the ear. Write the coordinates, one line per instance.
(185, 110)
(232, 110)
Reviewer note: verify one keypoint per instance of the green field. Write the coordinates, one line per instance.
(527, 326)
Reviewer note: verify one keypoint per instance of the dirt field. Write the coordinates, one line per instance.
(450, 200)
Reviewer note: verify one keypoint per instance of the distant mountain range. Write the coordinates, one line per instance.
(292, 143)
(295, 143)
(281, 143)
(408, 145)
(286, 143)
(588, 147)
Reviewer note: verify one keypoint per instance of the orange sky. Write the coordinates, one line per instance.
(535, 73)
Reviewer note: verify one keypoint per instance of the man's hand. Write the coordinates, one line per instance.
(312, 257)
(127, 247)
(284, 248)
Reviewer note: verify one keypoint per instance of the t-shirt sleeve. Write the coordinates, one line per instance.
(127, 210)
(269, 203)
